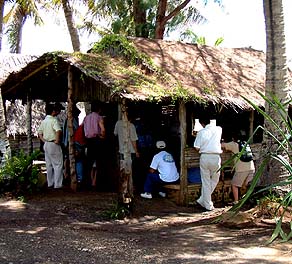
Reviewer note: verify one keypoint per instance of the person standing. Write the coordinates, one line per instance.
(130, 137)
(162, 171)
(94, 131)
(208, 144)
(244, 170)
(65, 142)
(50, 133)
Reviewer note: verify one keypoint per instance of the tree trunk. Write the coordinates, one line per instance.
(276, 85)
(16, 40)
(2, 3)
(140, 21)
(4, 142)
(70, 24)
(162, 18)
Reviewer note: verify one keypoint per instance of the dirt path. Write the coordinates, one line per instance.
(65, 227)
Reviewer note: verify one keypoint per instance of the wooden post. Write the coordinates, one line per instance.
(126, 182)
(29, 123)
(70, 130)
(183, 170)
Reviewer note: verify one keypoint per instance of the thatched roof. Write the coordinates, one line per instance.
(192, 72)
(213, 73)
(13, 63)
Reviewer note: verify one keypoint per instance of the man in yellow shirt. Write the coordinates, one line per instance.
(50, 133)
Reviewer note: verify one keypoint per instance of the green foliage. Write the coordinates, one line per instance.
(121, 15)
(284, 145)
(191, 37)
(18, 174)
(118, 211)
(132, 65)
(218, 41)
(122, 46)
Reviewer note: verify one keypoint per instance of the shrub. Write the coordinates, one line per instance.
(19, 175)
(285, 198)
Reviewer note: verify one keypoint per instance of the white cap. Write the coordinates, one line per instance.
(160, 144)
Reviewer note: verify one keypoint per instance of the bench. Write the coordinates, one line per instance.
(222, 193)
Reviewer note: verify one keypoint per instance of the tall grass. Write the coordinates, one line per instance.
(281, 154)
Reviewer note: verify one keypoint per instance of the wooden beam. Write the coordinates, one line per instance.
(29, 75)
(183, 168)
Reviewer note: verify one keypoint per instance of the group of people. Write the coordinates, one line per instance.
(162, 168)
(208, 143)
(55, 141)
(56, 148)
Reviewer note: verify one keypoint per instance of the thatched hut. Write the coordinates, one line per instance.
(168, 84)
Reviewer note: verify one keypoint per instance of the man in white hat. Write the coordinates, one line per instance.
(162, 171)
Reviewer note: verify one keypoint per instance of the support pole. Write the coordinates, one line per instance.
(29, 123)
(183, 139)
(70, 130)
(126, 181)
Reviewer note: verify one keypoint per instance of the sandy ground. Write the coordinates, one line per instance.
(66, 227)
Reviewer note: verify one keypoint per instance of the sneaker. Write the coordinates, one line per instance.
(162, 194)
(146, 195)
(209, 208)
(200, 203)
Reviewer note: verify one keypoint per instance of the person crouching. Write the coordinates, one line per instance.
(162, 171)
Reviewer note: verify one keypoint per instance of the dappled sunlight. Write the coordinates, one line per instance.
(263, 253)
(33, 231)
(239, 255)
(13, 205)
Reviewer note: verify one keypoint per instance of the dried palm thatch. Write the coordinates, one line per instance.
(191, 72)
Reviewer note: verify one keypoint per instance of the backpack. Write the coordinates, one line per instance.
(245, 150)
(79, 136)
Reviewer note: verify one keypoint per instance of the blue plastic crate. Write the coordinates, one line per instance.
(194, 175)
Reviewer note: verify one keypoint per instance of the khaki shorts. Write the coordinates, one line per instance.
(242, 177)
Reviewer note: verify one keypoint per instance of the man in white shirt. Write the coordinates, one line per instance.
(162, 171)
(208, 144)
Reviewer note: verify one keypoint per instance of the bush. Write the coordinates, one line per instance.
(282, 188)
(18, 175)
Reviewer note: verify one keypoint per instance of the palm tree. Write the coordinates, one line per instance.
(68, 13)
(16, 17)
(276, 84)
(2, 4)
(68, 10)
(149, 19)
